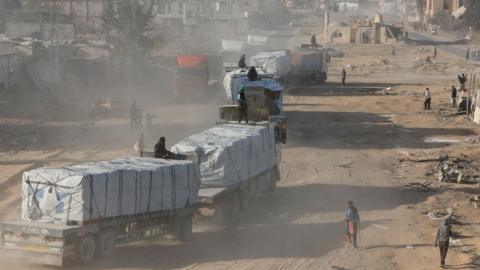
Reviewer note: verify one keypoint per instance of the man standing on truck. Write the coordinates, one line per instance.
(344, 76)
(242, 105)
(352, 219)
(241, 63)
(161, 151)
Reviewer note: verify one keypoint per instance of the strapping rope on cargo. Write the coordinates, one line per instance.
(233, 165)
(149, 191)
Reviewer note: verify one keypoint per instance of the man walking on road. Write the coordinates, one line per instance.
(344, 77)
(428, 99)
(442, 240)
(434, 52)
(352, 219)
(454, 96)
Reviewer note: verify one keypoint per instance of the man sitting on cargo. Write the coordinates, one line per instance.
(252, 74)
(161, 151)
(242, 105)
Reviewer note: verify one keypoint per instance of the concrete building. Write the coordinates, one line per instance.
(433, 7)
(363, 31)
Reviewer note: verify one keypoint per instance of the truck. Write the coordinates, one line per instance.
(231, 175)
(78, 213)
(191, 77)
(309, 65)
(233, 49)
(276, 63)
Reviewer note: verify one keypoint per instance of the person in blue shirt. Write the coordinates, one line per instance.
(352, 219)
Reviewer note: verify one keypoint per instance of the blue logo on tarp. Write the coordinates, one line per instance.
(59, 207)
(39, 194)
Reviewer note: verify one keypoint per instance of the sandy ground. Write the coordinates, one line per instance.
(344, 144)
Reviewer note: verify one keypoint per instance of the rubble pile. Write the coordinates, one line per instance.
(458, 170)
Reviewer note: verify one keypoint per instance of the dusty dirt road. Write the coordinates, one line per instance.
(344, 144)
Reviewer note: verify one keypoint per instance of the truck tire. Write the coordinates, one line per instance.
(184, 228)
(221, 214)
(234, 205)
(86, 249)
(106, 241)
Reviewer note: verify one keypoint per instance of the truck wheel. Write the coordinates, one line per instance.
(184, 228)
(106, 243)
(86, 249)
(234, 204)
(220, 215)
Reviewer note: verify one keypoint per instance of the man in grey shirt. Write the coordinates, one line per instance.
(442, 240)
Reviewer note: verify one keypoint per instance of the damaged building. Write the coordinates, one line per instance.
(364, 31)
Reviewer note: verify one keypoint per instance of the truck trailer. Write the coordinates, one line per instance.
(79, 213)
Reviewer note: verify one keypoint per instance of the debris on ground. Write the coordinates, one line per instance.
(472, 139)
(475, 201)
(459, 170)
(381, 227)
(440, 214)
(347, 164)
(426, 159)
(425, 186)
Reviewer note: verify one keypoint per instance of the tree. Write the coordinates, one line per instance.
(129, 22)
(420, 10)
(5, 6)
(471, 14)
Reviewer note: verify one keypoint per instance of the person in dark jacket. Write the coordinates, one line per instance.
(161, 151)
(241, 63)
(252, 74)
(242, 105)
(454, 96)
(313, 41)
(344, 77)
(352, 219)
(442, 240)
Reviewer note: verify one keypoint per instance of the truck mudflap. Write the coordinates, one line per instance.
(35, 244)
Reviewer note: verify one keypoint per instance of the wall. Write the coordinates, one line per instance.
(345, 35)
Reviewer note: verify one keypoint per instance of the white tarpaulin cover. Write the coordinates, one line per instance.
(275, 63)
(108, 189)
(232, 153)
(235, 80)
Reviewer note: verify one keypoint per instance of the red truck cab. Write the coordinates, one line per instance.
(191, 77)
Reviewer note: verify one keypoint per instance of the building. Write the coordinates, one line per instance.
(8, 57)
(363, 31)
(433, 7)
